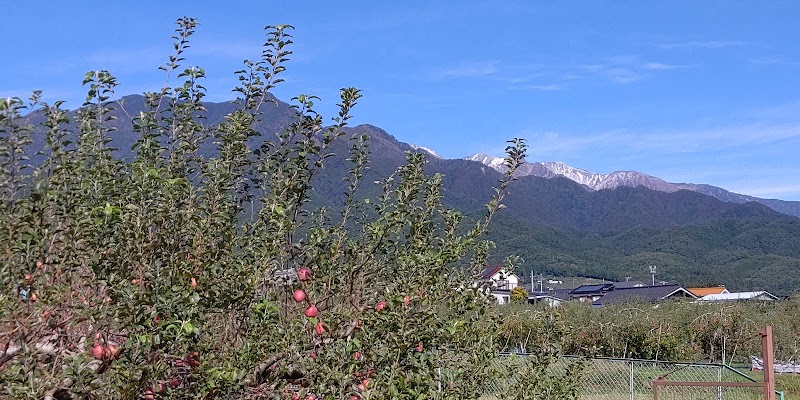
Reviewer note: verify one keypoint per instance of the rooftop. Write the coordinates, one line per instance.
(586, 289)
(758, 295)
(646, 293)
(704, 291)
(489, 271)
(628, 284)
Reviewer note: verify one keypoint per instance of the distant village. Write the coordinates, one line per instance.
(500, 283)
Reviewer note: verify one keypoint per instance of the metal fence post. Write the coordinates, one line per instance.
(439, 383)
(632, 397)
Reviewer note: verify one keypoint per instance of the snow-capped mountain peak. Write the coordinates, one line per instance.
(496, 163)
(425, 149)
(589, 179)
(617, 179)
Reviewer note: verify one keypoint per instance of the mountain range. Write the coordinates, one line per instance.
(618, 179)
(565, 221)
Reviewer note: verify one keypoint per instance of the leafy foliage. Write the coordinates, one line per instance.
(519, 295)
(180, 273)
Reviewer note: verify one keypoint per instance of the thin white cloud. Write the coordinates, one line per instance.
(662, 142)
(657, 66)
(620, 69)
(473, 69)
(766, 60)
(546, 88)
(621, 75)
(626, 69)
(705, 44)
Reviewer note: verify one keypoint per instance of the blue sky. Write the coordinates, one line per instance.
(689, 91)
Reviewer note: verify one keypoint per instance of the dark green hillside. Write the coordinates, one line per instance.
(748, 248)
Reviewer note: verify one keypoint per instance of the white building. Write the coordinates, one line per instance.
(499, 282)
(760, 295)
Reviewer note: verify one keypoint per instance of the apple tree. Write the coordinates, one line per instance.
(185, 272)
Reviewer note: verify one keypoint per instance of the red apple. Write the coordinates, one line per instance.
(380, 306)
(419, 347)
(319, 328)
(357, 355)
(148, 395)
(311, 311)
(98, 351)
(39, 264)
(34, 297)
(193, 359)
(299, 295)
(28, 278)
(312, 355)
(406, 300)
(174, 382)
(304, 274)
(194, 283)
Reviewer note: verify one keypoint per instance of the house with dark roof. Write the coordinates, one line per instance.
(628, 284)
(590, 293)
(644, 293)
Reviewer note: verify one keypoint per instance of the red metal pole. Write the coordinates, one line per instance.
(769, 367)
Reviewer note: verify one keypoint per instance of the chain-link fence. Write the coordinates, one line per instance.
(665, 390)
(624, 379)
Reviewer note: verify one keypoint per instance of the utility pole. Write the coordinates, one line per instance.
(533, 289)
(653, 273)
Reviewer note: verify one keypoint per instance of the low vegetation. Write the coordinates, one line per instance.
(668, 331)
